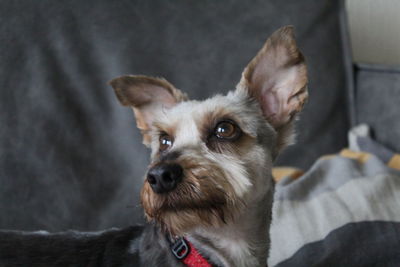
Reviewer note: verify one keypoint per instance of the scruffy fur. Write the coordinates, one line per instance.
(222, 204)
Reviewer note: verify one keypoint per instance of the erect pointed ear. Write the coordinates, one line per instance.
(147, 96)
(277, 79)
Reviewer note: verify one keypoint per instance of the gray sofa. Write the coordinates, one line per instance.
(71, 156)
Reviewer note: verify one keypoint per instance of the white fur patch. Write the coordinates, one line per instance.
(241, 251)
(235, 170)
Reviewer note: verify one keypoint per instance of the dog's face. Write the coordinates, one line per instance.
(212, 159)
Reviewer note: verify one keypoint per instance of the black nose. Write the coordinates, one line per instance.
(164, 177)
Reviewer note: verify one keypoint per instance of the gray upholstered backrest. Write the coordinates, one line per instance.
(377, 102)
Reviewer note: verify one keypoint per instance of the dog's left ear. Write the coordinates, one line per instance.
(147, 96)
(277, 79)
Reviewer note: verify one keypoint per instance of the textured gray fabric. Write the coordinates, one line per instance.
(347, 191)
(352, 245)
(334, 173)
(71, 156)
(377, 102)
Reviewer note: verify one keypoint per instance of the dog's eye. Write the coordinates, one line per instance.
(165, 142)
(226, 130)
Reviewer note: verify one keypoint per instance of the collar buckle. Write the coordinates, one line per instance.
(180, 248)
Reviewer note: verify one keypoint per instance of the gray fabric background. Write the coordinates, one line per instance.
(71, 156)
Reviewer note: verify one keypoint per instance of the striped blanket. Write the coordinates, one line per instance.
(344, 211)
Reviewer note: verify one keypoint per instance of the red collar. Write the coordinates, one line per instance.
(185, 252)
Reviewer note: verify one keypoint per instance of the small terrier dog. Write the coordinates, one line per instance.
(208, 190)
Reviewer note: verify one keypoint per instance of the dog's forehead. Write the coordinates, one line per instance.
(197, 109)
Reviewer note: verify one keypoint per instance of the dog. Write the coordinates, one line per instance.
(208, 191)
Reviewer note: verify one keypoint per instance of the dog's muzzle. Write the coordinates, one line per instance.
(164, 177)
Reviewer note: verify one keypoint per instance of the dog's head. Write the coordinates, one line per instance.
(211, 159)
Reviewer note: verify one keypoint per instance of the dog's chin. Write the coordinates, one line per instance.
(183, 210)
(180, 222)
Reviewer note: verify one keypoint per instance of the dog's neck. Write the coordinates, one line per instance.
(242, 242)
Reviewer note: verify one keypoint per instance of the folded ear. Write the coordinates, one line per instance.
(147, 96)
(277, 79)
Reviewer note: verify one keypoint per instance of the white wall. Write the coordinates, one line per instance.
(375, 30)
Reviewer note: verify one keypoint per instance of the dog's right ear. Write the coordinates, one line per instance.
(147, 96)
(277, 79)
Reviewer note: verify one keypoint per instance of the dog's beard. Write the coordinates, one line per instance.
(204, 198)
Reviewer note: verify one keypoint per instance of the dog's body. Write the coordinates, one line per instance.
(209, 180)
